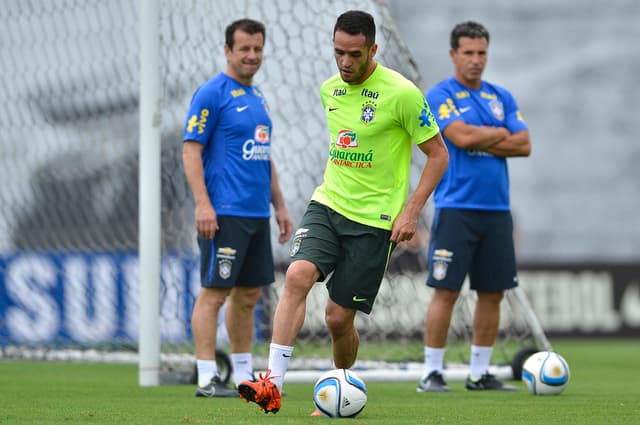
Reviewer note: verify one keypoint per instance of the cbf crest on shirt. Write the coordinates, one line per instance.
(232, 123)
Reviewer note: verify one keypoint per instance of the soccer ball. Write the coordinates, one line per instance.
(340, 393)
(545, 372)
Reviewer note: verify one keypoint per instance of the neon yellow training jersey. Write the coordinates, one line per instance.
(371, 127)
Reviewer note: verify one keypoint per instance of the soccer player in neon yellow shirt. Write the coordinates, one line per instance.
(360, 211)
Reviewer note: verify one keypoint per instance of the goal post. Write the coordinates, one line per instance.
(149, 194)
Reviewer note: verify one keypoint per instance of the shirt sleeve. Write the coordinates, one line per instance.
(514, 120)
(200, 122)
(445, 109)
(416, 115)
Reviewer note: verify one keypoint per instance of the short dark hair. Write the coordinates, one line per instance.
(469, 29)
(356, 22)
(249, 26)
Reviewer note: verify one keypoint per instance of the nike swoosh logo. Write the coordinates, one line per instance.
(333, 109)
(358, 300)
(465, 109)
(286, 355)
(241, 108)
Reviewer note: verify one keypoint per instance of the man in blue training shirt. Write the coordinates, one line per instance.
(227, 162)
(472, 230)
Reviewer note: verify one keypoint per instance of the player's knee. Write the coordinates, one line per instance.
(339, 321)
(446, 296)
(300, 276)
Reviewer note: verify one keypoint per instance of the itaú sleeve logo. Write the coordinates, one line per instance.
(347, 139)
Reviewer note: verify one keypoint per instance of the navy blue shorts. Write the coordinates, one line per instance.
(474, 242)
(239, 255)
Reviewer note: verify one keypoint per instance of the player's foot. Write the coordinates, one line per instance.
(215, 388)
(263, 392)
(433, 383)
(316, 412)
(488, 382)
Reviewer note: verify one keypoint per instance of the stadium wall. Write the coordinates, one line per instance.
(85, 299)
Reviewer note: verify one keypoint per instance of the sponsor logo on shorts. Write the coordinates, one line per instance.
(357, 299)
(227, 252)
(301, 231)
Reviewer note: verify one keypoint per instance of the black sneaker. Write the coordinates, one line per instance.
(488, 382)
(433, 383)
(215, 388)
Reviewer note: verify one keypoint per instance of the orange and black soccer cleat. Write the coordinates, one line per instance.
(263, 392)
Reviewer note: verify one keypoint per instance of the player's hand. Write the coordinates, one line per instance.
(206, 221)
(404, 227)
(284, 224)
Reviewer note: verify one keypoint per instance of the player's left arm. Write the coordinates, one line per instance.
(405, 225)
(516, 144)
(282, 215)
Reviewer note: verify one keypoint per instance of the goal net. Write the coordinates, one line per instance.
(69, 268)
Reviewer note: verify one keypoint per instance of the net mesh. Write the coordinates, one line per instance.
(69, 164)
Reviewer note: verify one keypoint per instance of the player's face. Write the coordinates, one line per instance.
(470, 59)
(353, 57)
(245, 58)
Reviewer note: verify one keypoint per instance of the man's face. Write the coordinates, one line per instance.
(470, 59)
(353, 57)
(245, 58)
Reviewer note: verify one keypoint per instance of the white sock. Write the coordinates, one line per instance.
(207, 369)
(242, 364)
(480, 358)
(279, 356)
(433, 359)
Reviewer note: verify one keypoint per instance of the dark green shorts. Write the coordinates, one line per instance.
(358, 255)
(239, 255)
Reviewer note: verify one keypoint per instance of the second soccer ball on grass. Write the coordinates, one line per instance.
(340, 393)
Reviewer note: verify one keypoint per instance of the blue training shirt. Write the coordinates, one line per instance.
(474, 179)
(232, 122)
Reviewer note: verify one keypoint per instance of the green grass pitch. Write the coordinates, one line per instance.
(604, 389)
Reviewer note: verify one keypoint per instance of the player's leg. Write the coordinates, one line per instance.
(204, 326)
(289, 316)
(256, 271)
(354, 285)
(344, 335)
(240, 324)
(449, 258)
(493, 271)
(221, 260)
(313, 253)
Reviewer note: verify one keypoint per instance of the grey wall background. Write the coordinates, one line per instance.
(573, 66)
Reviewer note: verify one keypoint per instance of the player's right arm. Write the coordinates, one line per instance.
(405, 225)
(205, 215)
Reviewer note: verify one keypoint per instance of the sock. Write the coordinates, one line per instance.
(279, 356)
(207, 369)
(242, 364)
(433, 359)
(480, 357)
